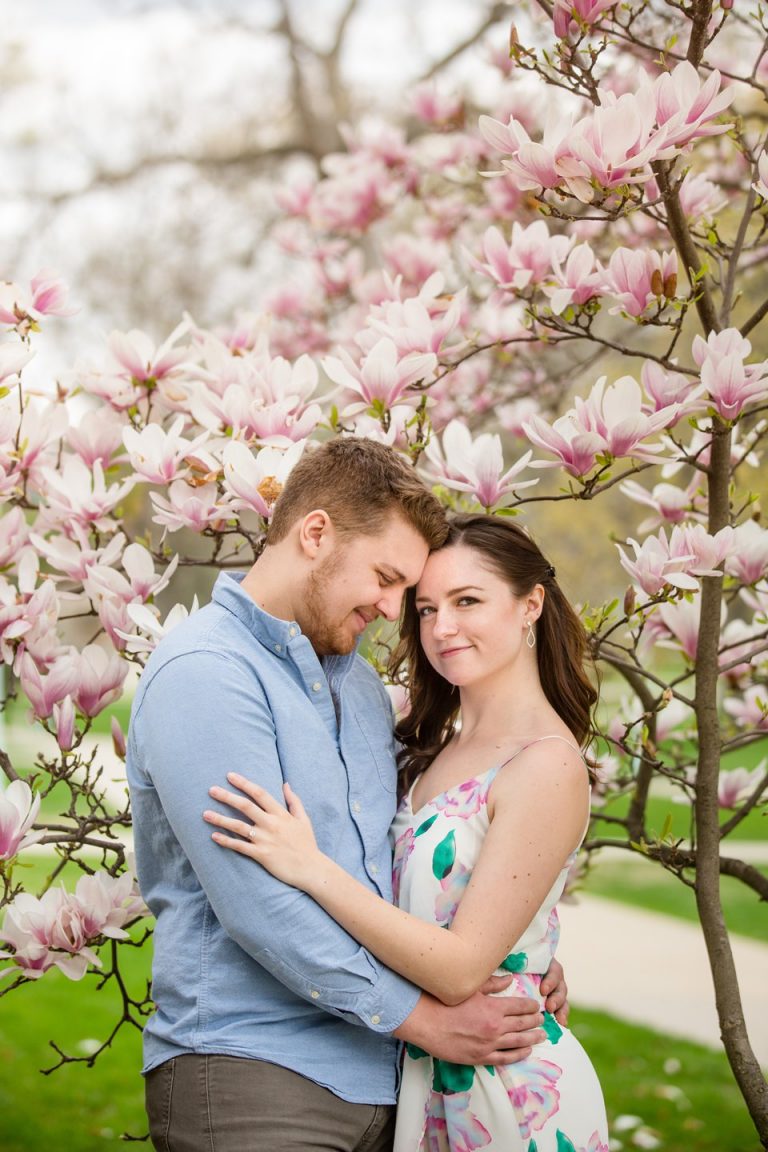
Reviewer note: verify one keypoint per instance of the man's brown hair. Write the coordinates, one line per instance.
(360, 484)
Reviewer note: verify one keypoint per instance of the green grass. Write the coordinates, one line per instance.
(645, 884)
(664, 815)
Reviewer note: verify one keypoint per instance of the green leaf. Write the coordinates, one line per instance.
(552, 1028)
(515, 962)
(563, 1143)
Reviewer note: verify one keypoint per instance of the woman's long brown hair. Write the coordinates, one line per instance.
(561, 647)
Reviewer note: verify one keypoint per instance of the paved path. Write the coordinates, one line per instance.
(653, 970)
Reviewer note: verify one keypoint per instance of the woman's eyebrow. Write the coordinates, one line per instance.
(454, 591)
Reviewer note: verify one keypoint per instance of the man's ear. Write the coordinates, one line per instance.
(316, 534)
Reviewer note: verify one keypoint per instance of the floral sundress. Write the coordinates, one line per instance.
(550, 1102)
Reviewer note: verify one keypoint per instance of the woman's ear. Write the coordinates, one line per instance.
(534, 602)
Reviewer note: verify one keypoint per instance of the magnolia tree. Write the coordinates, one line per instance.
(576, 266)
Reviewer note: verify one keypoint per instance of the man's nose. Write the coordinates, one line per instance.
(389, 603)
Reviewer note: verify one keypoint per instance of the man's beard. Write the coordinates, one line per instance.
(327, 637)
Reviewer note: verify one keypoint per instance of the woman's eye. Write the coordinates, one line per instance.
(425, 612)
(465, 600)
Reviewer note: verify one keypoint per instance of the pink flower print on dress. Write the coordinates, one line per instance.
(452, 886)
(404, 845)
(466, 799)
(531, 1089)
(451, 1124)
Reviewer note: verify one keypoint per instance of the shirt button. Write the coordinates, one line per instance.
(278, 647)
(374, 868)
(315, 994)
(355, 807)
(375, 1019)
(291, 631)
(316, 686)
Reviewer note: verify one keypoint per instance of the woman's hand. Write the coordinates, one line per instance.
(282, 841)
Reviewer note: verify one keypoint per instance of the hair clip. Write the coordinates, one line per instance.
(550, 572)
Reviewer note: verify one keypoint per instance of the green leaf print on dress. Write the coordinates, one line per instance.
(515, 962)
(564, 1144)
(422, 828)
(552, 1028)
(449, 1078)
(444, 856)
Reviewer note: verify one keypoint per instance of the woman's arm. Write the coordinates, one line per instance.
(539, 812)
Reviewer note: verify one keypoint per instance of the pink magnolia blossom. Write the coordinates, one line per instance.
(670, 504)
(475, 466)
(28, 616)
(414, 258)
(74, 556)
(748, 559)
(730, 383)
(383, 376)
(750, 709)
(654, 566)
(64, 723)
(118, 737)
(639, 278)
(356, 192)
(97, 437)
(100, 676)
(29, 444)
(47, 932)
(107, 903)
(609, 423)
(13, 357)
(761, 183)
(742, 651)
(434, 106)
(680, 620)
(736, 786)
(157, 454)
(527, 260)
(49, 295)
(533, 164)
(136, 367)
(422, 323)
(613, 145)
(187, 507)
(708, 551)
(686, 107)
(44, 689)
(255, 481)
(82, 494)
(576, 283)
(666, 388)
(13, 535)
(581, 13)
(18, 812)
(147, 619)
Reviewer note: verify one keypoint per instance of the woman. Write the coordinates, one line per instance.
(494, 809)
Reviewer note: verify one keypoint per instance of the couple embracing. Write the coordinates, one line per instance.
(286, 982)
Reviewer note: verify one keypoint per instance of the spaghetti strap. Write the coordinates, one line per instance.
(540, 740)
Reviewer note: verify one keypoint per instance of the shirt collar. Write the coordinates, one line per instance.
(270, 631)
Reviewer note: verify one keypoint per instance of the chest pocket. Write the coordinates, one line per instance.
(377, 733)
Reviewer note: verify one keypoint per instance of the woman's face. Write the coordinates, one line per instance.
(472, 625)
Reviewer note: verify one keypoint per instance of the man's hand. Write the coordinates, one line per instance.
(555, 991)
(485, 1029)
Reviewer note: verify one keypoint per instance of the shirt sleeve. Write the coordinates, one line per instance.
(201, 716)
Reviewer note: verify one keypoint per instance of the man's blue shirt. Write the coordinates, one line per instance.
(243, 964)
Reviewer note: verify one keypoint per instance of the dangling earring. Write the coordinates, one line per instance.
(530, 637)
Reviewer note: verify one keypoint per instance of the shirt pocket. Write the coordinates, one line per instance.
(377, 733)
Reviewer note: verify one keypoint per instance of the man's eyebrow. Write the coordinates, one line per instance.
(390, 571)
(454, 591)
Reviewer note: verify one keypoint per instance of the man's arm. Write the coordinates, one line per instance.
(201, 715)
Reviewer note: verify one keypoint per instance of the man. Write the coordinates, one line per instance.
(274, 1029)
